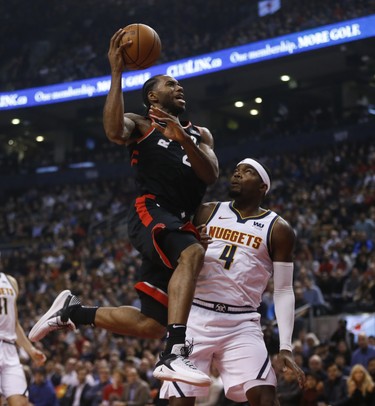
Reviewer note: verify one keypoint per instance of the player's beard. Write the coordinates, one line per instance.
(234, 193)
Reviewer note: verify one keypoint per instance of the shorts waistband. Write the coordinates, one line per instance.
(183, 215)
(222, 307)
(7, 342)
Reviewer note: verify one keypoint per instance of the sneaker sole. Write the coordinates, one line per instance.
(37, 332)
(173, 376)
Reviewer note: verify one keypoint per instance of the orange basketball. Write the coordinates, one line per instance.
(145, 49)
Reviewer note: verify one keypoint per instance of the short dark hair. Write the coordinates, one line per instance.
(147, 87)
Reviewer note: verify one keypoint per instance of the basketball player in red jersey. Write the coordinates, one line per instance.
(174, 163)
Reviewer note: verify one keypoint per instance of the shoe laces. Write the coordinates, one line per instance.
(187, 349)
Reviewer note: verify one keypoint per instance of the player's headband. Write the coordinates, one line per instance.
(260, 169)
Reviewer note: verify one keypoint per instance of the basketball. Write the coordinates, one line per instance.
(145, 49)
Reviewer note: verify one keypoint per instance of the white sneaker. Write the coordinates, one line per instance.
(56, 318)
(178, 367)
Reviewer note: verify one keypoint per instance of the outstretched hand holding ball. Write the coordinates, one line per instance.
(144, 49)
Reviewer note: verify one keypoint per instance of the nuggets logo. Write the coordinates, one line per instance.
(226, 234)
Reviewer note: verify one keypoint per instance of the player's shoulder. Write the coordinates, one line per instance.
(139, 120)
(283, 228)
(12, 281)
(135, 116)
(204, 212)
(205, 133)
(141, 125)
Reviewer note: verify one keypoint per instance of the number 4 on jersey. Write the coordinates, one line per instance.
(228, 255)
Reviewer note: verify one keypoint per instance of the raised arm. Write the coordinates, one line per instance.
(117, 126)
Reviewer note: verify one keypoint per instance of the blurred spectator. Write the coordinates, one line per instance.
(301, 312)
(75, 394)
(113, 391)
(371, 368)
(69, 376)
(351, 286)
(136, 392)
(288, 391)
(314, 297)
(334, 387)
(360, 387)
(41, 390)
(342, 334)
(315, 365)
(364, 352)
(311, 391)
(311, 344)
(94, 395)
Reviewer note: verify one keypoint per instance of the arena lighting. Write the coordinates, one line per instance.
(47, 169)
(285, 45)
(80, 165)
(258, 100)
(16, 121)
(39, 138)
(285, 78)
(238, 104)
(254, 112)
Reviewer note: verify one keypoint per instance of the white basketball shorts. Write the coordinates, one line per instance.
(234, 344)
(12, 376)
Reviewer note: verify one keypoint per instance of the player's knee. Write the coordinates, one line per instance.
(263, 395)
(18, 400)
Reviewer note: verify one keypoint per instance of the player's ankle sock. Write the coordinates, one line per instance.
(83, 315)
(176, 335)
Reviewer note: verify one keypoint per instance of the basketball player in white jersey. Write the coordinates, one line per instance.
(13, 385)
(246, 246)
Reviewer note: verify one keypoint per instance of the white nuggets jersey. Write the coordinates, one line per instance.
(237, 264)
(7, 309)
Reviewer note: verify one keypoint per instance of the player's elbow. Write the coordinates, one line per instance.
(115, 136)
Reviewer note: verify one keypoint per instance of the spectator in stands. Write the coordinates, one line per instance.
(342, 334)
(288, 390)
(311, 344)
(75, 395)
(136, 391)
(314, 297)
(334, 387)
(351, 285)
(42, 392)
(94, 396)
(371, 368)
(311, 392)
(315, 365)
(302, 309)
(69, 376)
(113, 391)
(360, 387)
(364, 352)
